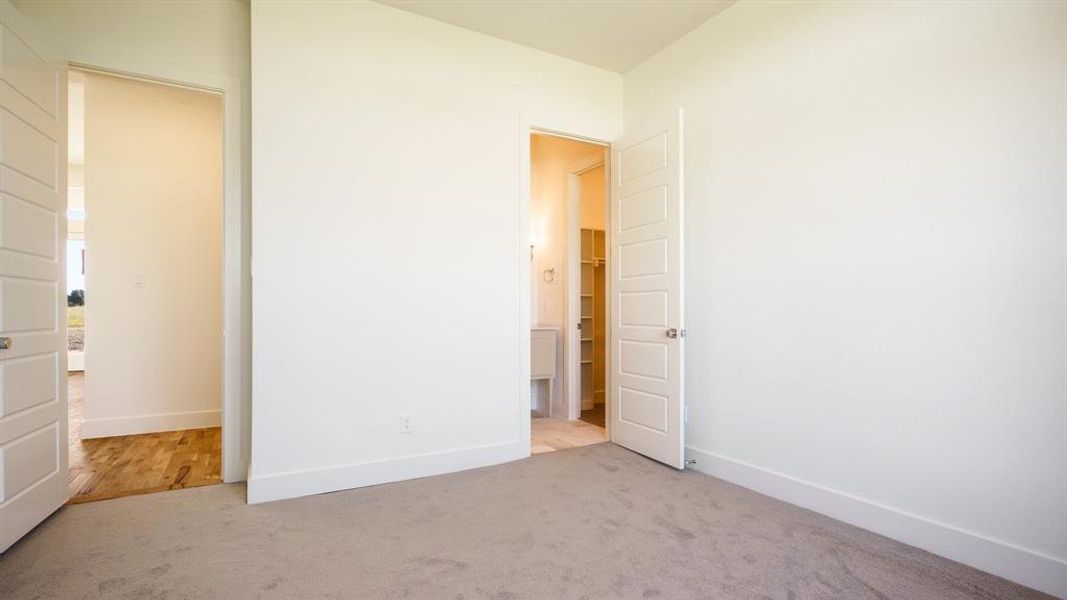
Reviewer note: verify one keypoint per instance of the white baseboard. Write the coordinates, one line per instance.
(1041, 572)
(279, 486)
(98, 428)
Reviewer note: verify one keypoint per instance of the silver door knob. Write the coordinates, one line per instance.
(5, 343)
(672, 333)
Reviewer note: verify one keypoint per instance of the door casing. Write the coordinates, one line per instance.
(236, 355)
(527, 127)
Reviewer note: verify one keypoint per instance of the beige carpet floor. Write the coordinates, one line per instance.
(592, 522)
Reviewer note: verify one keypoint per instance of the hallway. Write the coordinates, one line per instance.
(128, 465)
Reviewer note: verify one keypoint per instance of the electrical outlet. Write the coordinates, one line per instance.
(407, 423)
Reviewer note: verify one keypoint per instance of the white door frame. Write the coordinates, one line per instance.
(236, 413)
(572, 345)
(527, 127)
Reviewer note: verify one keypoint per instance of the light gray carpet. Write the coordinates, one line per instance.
(593, 522)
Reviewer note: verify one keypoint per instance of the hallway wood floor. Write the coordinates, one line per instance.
(128, 465)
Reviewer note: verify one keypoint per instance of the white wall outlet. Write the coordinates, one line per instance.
(407, 423)
(138, 280)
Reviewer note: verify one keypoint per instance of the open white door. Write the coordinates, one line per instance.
(647, 407)
(33, 358)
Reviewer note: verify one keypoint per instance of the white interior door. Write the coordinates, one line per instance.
(33, 360)
(647, 407)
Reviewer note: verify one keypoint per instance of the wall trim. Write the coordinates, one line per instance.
(98, 428)
(1039, 571)
(236, 415)
(293, 484)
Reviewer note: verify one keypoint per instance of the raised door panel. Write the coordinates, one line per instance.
(27, 382)
(27, 460)
(27, 73)
(28, 228)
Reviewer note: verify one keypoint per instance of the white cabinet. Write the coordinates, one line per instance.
(543, 359)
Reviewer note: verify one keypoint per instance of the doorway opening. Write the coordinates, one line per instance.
(568, 292)
(145, 286)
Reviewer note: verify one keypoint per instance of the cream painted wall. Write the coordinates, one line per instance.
(147, 35)
(388, 152)
(551, 159)
(593, 210)
(185, 41)
(875, 243)
(153, 173)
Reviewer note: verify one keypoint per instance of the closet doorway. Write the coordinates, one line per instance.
(569, 259)
(587, 298)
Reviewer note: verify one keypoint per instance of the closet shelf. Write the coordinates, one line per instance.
(592, 308)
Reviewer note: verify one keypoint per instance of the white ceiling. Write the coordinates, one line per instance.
(612, 34)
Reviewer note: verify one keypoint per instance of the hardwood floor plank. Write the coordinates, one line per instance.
(127, 465)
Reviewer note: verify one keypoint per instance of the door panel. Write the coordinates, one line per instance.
(643, 309)
(646, 226)
(29, 229)
(644, 258)
(27, 305)
(641, 158)
(27, 382)
(26, 72)
(644, 359)
(645, 208)
(26, 149)
(643, 409)
(33, 402)
(28, 460)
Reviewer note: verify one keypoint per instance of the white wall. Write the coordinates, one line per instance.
(147, 36)
(388, 153)
(875, 244)
(193, 40)
(153, 257)
(552, 159)
(593, 212)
